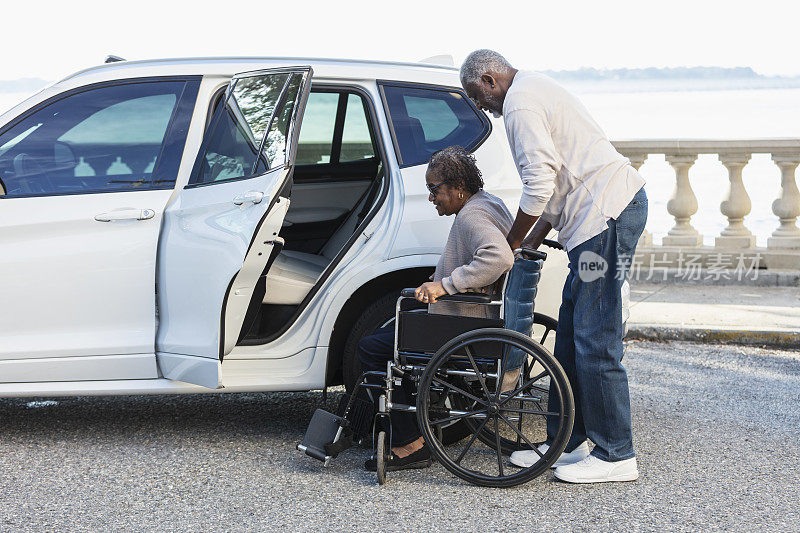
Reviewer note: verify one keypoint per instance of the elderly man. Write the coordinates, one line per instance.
(573, 180)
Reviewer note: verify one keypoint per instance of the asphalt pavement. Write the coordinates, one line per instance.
(715, 433)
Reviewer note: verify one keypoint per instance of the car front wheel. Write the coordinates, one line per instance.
(377, 315)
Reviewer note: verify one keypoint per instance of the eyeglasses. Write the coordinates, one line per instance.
(432, 188)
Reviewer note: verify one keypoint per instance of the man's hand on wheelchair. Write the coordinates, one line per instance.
(534, 239)
(428, 292)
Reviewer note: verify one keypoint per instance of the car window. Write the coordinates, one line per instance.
(427, 119)
(316, 134)
(245, 139)
(273, 153)
(252, 103)
(324, 141)
(104, 139)
(434, 115)
(11, 143)
(238, 129)
(356, 138)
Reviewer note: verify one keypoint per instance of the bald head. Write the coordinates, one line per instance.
(486, 77)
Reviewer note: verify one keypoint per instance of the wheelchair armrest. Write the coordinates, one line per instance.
(529, 253)
(464, 297)
(467, 298)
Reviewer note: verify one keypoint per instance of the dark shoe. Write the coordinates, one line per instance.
(419, 459)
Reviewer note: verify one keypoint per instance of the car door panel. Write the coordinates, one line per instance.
(84, 287)
(86, 179)
(217, 240)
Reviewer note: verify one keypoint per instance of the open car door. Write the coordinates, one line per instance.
(220, 234)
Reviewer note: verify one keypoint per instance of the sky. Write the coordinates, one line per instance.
(50, 39)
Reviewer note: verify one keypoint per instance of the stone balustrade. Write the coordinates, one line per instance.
(783, 246)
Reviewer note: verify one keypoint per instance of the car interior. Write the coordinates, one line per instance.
(338, 177)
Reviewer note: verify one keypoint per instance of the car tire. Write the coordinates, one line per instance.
(375, 316)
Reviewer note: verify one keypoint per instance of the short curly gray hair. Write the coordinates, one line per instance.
(458, 167)
(479, 63)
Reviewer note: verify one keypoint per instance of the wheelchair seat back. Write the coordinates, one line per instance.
(421, 334)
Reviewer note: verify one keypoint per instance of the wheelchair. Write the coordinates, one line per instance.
(483, 373)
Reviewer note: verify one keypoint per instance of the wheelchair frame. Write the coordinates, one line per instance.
(403, 365)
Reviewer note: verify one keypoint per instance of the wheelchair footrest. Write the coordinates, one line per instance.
(327, 435)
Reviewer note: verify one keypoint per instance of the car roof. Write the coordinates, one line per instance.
(353, 69)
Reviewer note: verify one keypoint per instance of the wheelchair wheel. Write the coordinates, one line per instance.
(381, 455)
(468, 370)
(544, 328)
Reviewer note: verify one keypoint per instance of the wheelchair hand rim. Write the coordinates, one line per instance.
(558, 378)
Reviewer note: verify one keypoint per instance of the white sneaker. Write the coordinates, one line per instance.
(526, 458)
(594, 470)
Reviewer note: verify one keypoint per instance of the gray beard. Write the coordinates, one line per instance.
(495, 114)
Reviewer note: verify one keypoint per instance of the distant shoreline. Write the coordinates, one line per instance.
(670, 73)
(22, 85)
(669, 79)
(678, 85)
(592, 80)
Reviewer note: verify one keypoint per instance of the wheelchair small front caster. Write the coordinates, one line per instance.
(381, 456)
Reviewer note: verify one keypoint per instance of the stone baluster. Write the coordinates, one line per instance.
(637, 160)
(787, 206)
(682, 205)
(736, 205)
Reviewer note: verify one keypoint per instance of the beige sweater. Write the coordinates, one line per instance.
(476, 254)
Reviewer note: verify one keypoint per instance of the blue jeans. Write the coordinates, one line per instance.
(589, 336)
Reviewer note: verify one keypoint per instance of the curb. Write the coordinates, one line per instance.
(653, 332)
(759, 278)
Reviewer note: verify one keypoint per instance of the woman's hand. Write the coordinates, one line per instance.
(428, 292)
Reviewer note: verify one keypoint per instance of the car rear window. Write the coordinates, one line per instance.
(425, 119)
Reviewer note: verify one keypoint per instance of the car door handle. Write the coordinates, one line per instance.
(126, 214)
(250, 196)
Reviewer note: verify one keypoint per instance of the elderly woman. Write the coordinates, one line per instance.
(475, 256)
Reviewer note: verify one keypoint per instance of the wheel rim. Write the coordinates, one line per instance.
(543, 331)
(499, 419)
(509, 441)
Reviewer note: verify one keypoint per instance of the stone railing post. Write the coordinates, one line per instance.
(736, 205)
(787, 206)
(637, 160)
(682, 205)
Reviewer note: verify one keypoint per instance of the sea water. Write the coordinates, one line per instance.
(705, 114)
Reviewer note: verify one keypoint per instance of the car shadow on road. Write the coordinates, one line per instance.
(207, 416)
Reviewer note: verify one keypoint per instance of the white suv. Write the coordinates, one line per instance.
(167, 226)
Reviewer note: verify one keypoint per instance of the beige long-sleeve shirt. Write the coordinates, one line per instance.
(476, 254)
(572, 176)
